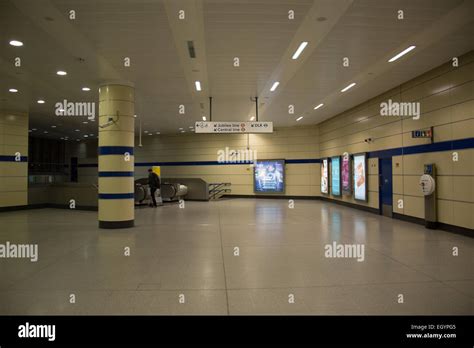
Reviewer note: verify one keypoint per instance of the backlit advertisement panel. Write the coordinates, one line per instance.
(360, 177)
(336, 176)
(269, 176)
(324, 176)
(346, 174)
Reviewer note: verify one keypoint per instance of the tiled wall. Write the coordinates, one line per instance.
(287, 143)
(13, 174)
(446, 96)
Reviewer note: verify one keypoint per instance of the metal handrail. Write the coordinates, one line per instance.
(218, 189)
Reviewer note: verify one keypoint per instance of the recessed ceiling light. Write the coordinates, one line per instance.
(91, 135)
(402, 53)
(198, 85)
(76, 130)
(53, 126)
(319, 106)
(252, 118)
(145, 131)
(150, 134)
(348, 87)
(61, 73)
(274, 86)
(78, 139)
(180, 128)
(29, 131)
(61, 138)
(85, 122)
(85, 135)
(45, 132)
(16, 43)
(299, 50)
(191, 127)
(183, 131)
(135, 116)
(86, 89)
(41, 101)
(157, 132)
(12, 90)
(299, 118)
(33, 129)
(204, 118)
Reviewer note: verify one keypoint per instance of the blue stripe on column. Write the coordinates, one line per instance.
(115, 174)
(115, 150)
(116, 195)
(4, 158)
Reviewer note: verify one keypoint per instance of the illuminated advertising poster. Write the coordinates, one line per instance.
(324, 176)
(269, 176)
(346, 174)
(360, 177)
(336, 176)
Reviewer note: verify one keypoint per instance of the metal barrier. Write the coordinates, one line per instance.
(217, 190)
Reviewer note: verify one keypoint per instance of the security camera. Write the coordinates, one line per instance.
(108, 123)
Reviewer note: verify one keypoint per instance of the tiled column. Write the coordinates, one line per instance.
(116, 160)
(13, 159)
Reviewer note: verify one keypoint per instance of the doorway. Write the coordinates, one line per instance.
(385, 187)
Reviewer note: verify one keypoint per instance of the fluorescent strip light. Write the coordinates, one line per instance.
(401, 54)
(198, 85)
(12, 90)
(86, 89)
(41, 101)
(61, 73)
(317, 107)
(275, 85)
(299, 50)
(16, 43)
(350, 86)
(299, 118)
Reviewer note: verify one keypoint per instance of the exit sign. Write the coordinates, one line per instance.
(422, 133)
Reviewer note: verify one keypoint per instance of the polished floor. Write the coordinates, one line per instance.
(183, 261)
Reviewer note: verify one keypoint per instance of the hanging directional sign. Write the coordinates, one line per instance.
(233, 127)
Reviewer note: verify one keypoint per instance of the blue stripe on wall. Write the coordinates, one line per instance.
(114, 174)
(116, 195)
(450, 145)
(435, 147)
(301, 161)
(193, 163)
(115, 150)
(12, 158)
